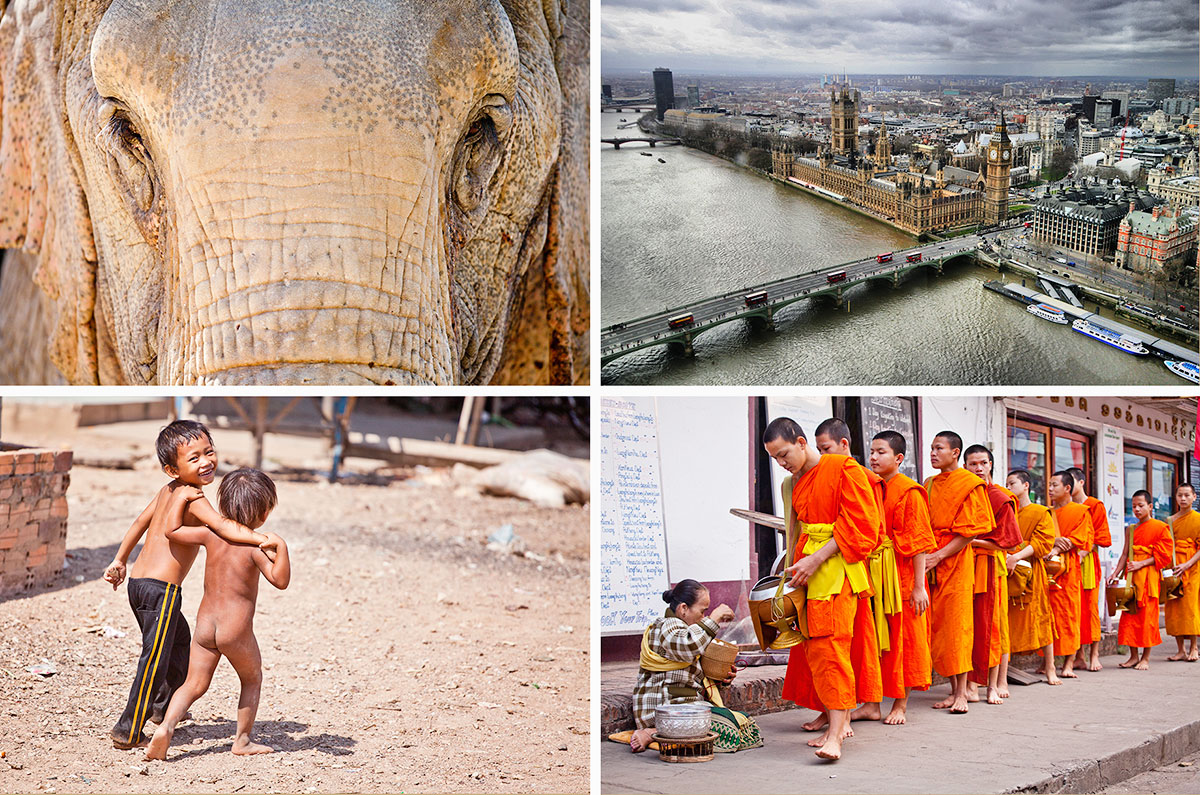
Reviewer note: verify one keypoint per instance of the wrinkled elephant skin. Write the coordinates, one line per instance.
(300, 191)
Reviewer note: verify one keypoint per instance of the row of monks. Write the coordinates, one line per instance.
(954, 575)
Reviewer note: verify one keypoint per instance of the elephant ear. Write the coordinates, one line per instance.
(43, 211)
(548, 339)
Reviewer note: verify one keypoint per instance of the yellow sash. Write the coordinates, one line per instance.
(827, 581)
(651, 660)
(1089, 572)
(887, 599)
(1184, 549)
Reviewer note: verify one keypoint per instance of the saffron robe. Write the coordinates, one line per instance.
(1031, 624)
(1074, 523)
(1151, 540)
(1183, 614)
(1089, 622)
(958, 506)
(820, 674)
(906, 522)
(988, 649)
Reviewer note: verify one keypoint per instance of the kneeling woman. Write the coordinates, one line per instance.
(669, 669)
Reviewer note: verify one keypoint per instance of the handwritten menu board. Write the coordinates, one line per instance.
(891, 414)
(633, 548)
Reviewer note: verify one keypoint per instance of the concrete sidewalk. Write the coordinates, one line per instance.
(1087, 734)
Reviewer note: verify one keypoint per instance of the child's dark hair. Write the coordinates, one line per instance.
(177, 433)
(246, 495)
(685, 592)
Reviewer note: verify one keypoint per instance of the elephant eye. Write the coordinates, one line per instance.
(480, 152)
(129, 161)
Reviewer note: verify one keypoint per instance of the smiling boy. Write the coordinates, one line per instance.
(185, 450)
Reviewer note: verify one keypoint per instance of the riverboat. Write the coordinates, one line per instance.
(1122, 342)
(1047, 312)
(1186, 370)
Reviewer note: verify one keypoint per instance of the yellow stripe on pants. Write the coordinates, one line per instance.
(155, 653)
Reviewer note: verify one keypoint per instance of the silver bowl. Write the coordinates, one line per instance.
(683, 721)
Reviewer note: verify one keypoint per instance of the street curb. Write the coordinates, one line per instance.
(1093, 775)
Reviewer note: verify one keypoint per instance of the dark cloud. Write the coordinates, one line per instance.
(1132, 37)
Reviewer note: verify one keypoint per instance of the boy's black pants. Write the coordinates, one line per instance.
(164, 662)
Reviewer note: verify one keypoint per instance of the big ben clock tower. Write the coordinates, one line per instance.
(996, 180)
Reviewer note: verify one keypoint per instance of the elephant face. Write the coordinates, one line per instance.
(306, 191)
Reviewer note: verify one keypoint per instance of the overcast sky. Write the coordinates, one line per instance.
(1018, 37)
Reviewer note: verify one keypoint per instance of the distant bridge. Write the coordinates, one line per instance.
(616, 142)
(634, 103)
(620, 339)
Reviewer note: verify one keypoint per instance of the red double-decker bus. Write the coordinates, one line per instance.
(680, 321)
(835, 277)
(914, 257)
(756, 299)
(884, 257)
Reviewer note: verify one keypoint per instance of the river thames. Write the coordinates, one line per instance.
(696, 225)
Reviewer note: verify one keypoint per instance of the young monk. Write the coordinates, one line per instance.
(1148, 553)
(1030, 621)
(670, 658)
(906, 665)
(991, 580)
(959, 511)
(1074, 542)
(835, 510)
(225, 618)
(1183, 614)
(832, 437)
(187, 455)
(1088, 655)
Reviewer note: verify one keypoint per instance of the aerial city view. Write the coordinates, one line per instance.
(918, 196)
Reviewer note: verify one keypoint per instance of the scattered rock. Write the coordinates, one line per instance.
(44, 668)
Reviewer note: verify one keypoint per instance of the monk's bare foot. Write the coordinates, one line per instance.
(1179, 657)
(847, 732)
(1142, 665)
(1193, 655)
(831, 750)
(1095, 665)
(818, 742)
(1052, 678)
(898, 715)
(959, 707)
(868, 711)
(972, 693)
(641, 740)
(159, 744)
(1132, 661)
(1079, 661)
(993, 696)
(243, 747)
(816, 724)
(1067, 673)
(945, 703)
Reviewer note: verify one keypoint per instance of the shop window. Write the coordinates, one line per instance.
(1043, 450)
(1156, 473)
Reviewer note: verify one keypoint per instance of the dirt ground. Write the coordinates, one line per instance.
(405, 656)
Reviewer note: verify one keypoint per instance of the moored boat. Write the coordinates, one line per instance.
(1187, 370)
(1047, 312)
(1122, 342)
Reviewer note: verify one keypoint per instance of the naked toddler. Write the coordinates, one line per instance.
(225, 618)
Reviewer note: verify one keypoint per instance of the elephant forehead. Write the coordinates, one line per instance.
(358, 63)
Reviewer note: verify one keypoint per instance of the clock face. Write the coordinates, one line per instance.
(993, 154)
(1006, 155)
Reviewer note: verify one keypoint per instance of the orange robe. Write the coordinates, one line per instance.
(906, 521)
(958, 506)
(1183, 614)
(1074, 523)
(867, 657)
(1008, 535)
(1031, 624)
(1151, 539)
(1089, 622)
(820, 673)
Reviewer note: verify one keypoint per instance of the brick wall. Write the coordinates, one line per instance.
(33, 516)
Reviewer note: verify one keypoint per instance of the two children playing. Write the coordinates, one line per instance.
(174, 668)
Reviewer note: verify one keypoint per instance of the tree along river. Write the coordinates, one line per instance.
(696, 225)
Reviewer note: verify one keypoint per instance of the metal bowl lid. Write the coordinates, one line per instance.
(766, 588)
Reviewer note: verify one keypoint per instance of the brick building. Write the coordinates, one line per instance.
(1086, 219)
(1151, 241)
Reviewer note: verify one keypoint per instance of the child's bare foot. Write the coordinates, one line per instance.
(641, 740)
(243, 747)
(1002, 691)
(816, 724)
(993, 697)
(1067, 673)
(972, 692)
(141, 742)
(1132, 661)
(868, 711)
(1193, 655)
(159, 744)
(959, 707)
(1142, 665)
(898, 715)
(1052, 678)
(831, 750)
(818, 742)
(945, 703)
(1177, 657)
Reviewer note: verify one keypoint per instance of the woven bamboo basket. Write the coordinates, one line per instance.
(718, 659)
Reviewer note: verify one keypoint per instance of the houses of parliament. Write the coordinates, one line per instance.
(923, 198)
